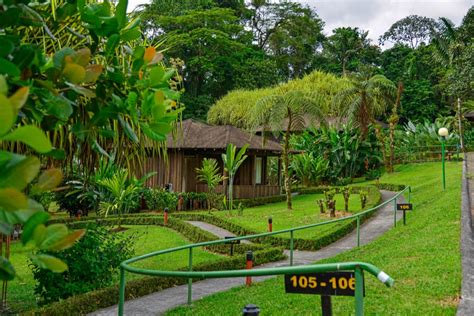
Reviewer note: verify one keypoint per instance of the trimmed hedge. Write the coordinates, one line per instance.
(260, 200)
(374, 199)
(390, 187)
(192, 233)
(92, 301)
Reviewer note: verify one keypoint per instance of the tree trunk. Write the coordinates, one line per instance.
(231, 193)
(286, 163)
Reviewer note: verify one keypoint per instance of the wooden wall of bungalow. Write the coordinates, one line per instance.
(179, 169)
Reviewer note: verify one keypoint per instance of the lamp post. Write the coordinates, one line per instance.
(443, 132)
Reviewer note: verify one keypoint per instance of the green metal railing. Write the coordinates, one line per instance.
(357, 267)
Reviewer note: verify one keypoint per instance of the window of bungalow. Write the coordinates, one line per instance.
(258, 170)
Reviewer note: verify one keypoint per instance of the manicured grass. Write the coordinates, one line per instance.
(149, 238)
(423, 258)
(305, 211)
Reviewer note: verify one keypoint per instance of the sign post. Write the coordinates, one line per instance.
(340, 283)
(404, 207)
(232, 243)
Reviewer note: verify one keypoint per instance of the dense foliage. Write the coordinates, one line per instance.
(75, 82)
(93, 263)
(341, 154)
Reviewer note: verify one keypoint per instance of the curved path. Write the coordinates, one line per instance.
(159, 302)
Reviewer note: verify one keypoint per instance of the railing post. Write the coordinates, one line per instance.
(291, 248)
(395, 213)
(358, 231)
(190, 280)
(122, 291)
(359, 291)
(409, 194)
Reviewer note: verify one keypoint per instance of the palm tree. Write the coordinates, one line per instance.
(232, 162)
(364, 99)
(293, 107)
(450, 44)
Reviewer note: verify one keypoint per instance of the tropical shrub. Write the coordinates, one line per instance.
(78, 70)
(93, 263)
(347, 155)
(158, 199)
(210, 174)
(309, 170)
(232, 161)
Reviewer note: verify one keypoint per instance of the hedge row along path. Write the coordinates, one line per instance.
(160, 302)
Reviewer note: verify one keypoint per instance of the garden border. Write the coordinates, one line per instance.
(299, 243)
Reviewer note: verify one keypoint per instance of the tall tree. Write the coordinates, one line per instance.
(411, 30)
(296, 40)
(217, 52)
(366, 97)
(344, 47)
(287, 112)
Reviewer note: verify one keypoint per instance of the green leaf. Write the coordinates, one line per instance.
(131, 34)
(8, 68)
(58, 58)
(12, 200)
(58, 154)
(54, 233)
(18, 99)
(6, 47)
(151, 134)
(3, 85)
(48, 180)
(32, 224)
(96, 146)
(7, 272)
(74, 73)
(128, 130)
(49, 262)
(60, 107)
(7, 115)
(20, 174)
(121, 13)
(68, 241)
(39, 234)
(112, 44)
(31, 136)
(161, 128)
(156, 75)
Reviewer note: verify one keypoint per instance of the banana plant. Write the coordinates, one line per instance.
(232, 162)
(210, 174)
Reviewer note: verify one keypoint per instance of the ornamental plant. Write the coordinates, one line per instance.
(86, 85)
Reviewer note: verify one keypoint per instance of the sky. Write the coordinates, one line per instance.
(376, 16)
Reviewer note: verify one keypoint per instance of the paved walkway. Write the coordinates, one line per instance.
(159, 302)
(466, 305)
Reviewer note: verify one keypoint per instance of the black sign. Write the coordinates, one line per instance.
(404, 207)
(232, 242)
(331, 283)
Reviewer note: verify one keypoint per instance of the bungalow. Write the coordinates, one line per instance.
(258, 176)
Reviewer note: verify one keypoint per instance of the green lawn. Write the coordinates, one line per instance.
(149, 238)
(423, 258)
(305, 211)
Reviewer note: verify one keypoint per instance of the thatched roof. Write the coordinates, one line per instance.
(197, 135)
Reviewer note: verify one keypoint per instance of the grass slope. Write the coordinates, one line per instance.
(305, 211)
(148, 239)
(423, 258)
